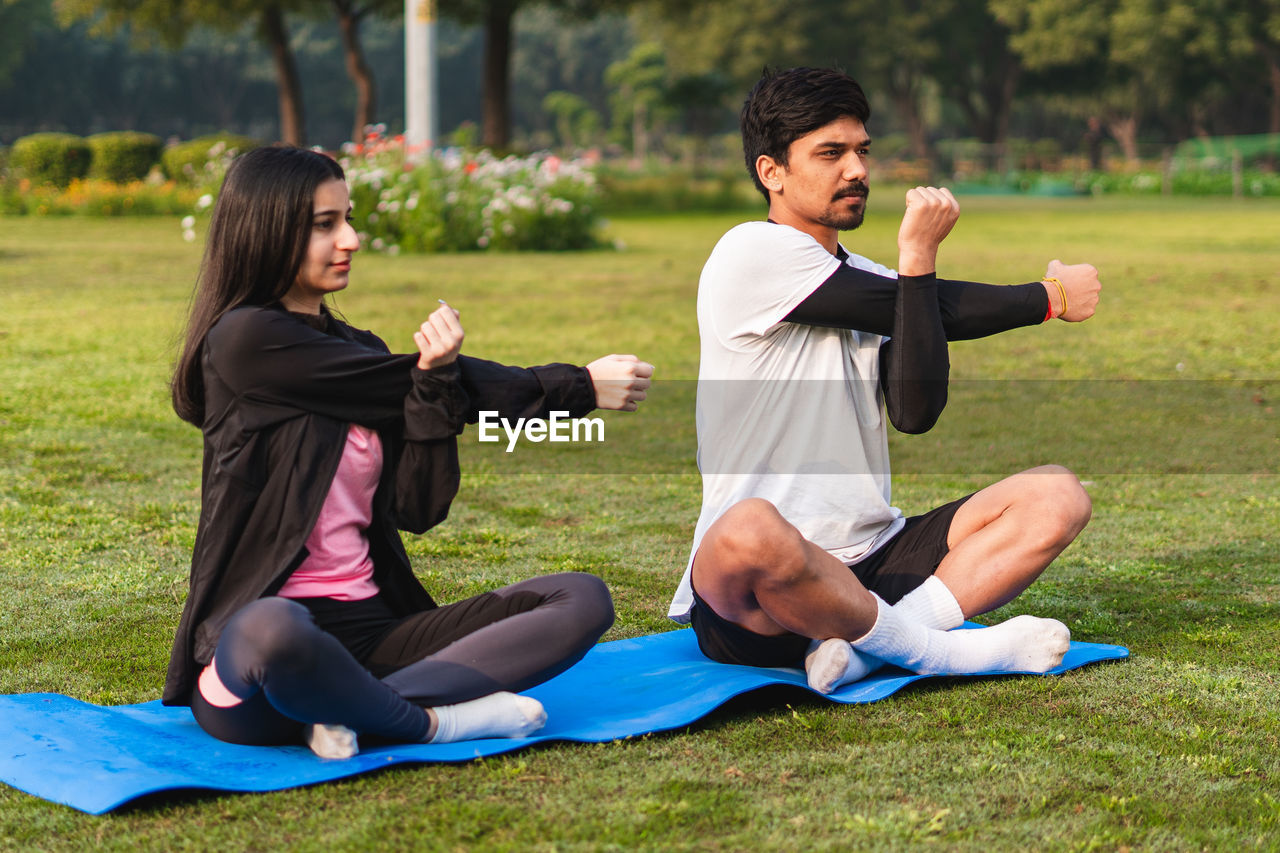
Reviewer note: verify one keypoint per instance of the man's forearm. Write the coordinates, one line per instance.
(857, 299)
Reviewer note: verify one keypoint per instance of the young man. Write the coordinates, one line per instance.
(798, 556)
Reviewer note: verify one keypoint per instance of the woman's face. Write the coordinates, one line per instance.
(327, 266)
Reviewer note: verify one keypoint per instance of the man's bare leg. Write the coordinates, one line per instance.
(1000, 540)
(756, 570)
(1006, 535)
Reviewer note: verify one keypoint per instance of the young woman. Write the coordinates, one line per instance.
(304, 620)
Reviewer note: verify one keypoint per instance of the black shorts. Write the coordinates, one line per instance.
(891, 571)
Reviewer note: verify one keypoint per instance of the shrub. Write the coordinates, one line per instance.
(124, 156)
(96, 197)
(51, 158)
(457, 201)
(203, 161)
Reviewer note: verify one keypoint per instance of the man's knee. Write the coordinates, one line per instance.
(753, 536)
(1062, 502)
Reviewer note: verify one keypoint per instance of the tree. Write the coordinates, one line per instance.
(576, 122)
(1122, 60)
(18, 19)
(640, 84)
(497, 19)
(351, 13)
(172, 21)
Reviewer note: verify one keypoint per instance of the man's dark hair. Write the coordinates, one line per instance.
(785, 105)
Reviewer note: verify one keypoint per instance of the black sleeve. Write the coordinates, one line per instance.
(526, 392)
(427, 472)
(913, 363)
(851, 298)
(267, 357)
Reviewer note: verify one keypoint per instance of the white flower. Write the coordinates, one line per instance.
(188, 222)
(373, 219)
(483, 241)
(393, 250)
(411, 203)
(508, 228)
(204, 201)
(378, 244)
(189, 235)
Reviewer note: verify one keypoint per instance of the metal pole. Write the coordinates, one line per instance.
(421, 123)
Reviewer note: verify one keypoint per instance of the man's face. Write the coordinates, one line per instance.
(825, 180)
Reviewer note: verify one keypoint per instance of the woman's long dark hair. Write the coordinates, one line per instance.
(257, 241)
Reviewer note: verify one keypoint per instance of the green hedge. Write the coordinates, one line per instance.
(188, 162)
(124, 156)
(51, 158)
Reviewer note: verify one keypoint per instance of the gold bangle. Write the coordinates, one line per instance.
(1062, 291)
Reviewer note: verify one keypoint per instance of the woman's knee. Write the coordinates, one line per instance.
(267, 631)
(590, 600)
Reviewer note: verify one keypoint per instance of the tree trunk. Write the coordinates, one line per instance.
(906, 102)
(288, 85)
(357, 68)
(497, 73)
(1124, 129)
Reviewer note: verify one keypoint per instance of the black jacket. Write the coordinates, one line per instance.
(279, 398)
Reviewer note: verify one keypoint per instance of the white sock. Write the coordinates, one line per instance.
(1022, 644)
(495, 715)
(834, 663)
(932, 605)
(331, 740)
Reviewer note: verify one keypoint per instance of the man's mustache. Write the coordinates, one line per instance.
(855, 189)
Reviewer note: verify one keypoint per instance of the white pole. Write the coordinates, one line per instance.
(421, 124)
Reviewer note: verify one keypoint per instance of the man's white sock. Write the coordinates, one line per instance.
(495, 715)
(331, 740)
(1022, 644)
(932, 605)
(834, 663)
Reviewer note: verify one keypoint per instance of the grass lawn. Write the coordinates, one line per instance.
(1165, 404)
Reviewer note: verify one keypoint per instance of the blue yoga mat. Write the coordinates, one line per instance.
(96, 758)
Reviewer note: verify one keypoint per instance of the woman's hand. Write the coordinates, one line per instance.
(620, 381)
(439, 339)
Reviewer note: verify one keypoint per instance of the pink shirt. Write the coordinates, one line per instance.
(338, 565)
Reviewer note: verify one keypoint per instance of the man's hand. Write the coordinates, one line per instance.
(439, 339)
(620, 381)
(931, 213)
(1080, 285)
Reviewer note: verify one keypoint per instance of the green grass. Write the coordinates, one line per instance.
(1175, 748)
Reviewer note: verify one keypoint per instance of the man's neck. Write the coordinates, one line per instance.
(828, 238)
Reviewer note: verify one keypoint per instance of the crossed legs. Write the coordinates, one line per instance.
(276, 675)
(755, 570)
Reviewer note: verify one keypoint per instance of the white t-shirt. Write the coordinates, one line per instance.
(787, 412)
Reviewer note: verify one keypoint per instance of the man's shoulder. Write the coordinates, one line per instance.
(762, 235)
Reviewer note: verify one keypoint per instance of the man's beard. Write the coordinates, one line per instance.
(847, 220)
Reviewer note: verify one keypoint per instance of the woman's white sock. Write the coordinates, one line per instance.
(495, 715)
(1022, 644)
(331, 740)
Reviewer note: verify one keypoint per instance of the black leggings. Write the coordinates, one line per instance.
(288, 671)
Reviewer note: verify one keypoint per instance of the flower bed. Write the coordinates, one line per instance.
(456, 200)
